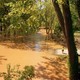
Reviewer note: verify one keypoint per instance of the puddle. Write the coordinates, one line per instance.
(59, 52)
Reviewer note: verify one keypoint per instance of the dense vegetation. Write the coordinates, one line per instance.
(23, 17)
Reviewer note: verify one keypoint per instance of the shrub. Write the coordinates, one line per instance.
(14, 73)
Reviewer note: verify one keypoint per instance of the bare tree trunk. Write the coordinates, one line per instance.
(0, 28)
(72, 51)
(59, 15)
(66, 24)
(77, 2)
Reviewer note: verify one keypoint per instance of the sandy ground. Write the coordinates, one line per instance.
(48, 66)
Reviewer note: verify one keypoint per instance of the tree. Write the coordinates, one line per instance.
(68, 32)
(59, 15)
(18, 18)
(47, 17)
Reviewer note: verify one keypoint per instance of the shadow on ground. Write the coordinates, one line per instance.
(2, 58)
(53, 69)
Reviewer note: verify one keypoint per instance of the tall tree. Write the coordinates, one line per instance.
(59, 15)
(68, 32)
(73, 56)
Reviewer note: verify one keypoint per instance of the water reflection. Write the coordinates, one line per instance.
(59, 51)
(37, 47)
(38, 40)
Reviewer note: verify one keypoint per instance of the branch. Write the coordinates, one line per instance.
(59, 15)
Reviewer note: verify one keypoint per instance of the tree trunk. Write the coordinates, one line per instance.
(0, 28)
(59, 15)
(66, 24)
(77, 2)
(72, 51)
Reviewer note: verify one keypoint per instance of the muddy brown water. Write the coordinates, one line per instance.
(40, 56)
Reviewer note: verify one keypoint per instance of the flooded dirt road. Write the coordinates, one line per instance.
(40, 54)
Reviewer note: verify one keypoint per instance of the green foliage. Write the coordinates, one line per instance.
(15, 73)
(27, 73)
(21, 17)
(8, 75)
(57, 31)
(24, 17)
(74, 14)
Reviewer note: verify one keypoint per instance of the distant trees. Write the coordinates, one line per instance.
(49, 19)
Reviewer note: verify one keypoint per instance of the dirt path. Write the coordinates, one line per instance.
(47, 65)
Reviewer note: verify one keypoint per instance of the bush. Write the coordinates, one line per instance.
(14, 73)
